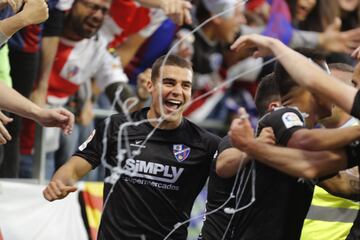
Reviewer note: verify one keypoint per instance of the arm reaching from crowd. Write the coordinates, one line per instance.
(34, 12)
(14, 4)
(176, 10)
(333, 40)
(305, 73)
(12, 101)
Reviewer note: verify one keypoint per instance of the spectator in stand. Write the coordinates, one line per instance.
(82, 55)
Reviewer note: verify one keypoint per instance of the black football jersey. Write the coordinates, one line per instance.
(152, 176)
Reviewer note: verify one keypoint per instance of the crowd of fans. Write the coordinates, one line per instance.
(78, 55)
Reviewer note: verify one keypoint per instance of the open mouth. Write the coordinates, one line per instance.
(172, 105)
(91, 25)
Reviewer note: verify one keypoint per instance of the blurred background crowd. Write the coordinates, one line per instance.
(89, 51)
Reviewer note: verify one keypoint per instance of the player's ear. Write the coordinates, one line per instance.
(273, 105)
(150, 86)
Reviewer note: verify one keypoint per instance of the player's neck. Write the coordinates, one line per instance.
(162, 123)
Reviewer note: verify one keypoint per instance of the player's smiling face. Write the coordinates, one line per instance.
(170, 95)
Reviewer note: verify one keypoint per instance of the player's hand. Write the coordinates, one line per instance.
(35, 11)
(241, 133)
(177, 10)
(267, 136)
(58, 117)
(333, 40)
(57, 190)
(257, 45)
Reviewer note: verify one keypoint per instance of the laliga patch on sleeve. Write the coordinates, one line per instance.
(290, 120)
(83, 146)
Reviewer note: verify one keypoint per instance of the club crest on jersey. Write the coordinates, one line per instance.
(181, 152)
(73, 70)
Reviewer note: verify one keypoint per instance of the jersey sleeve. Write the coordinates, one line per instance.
(284, 122)
(224, 144)
(213, 146)
(355, 110)
(91, 150)
(110, 71)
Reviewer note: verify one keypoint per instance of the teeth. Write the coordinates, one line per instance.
(174, 102)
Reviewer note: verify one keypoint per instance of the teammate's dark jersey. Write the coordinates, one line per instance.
(158, 184)
(281, 201)
(219, 190)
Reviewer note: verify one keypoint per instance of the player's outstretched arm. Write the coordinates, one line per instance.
(229, 161)
(345, 184)
(64, 180)
(57, 117)
(299, 163)
(295, 162)
(4, 134)
(323, 139)
(12, 101)
(302, 70)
